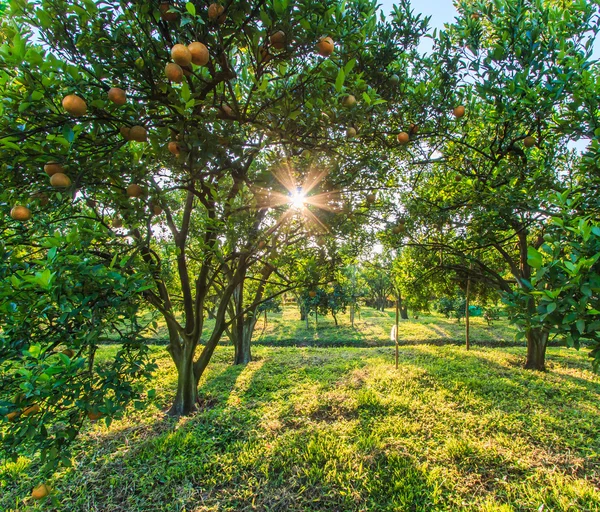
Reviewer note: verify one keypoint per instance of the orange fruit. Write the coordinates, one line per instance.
(216, 12)
(349, 101)
(68, 352)
(74, 105)
(174, 148)
(94, 416)
(459, 111)
(325, 46)
(156, 209)
(350, 132)
(165, 14)
(117, 96)
(200, 54)
(403, 138)
(60, 180)
(181, 55)
(261, 244)
(52, 168)
(30, 411)
(117, 222)
(40, 492)
(125, 132)
(174, 72)
(371, 198)
(138, 133)
(312, 294)
(20, 213)
(134, 190)
(529, 141)
(278, 40)
(413, 128)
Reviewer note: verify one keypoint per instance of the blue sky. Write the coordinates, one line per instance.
(441, 11)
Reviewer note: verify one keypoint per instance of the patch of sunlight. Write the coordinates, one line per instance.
(243, 382)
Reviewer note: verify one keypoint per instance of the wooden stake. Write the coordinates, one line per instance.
(396, 334)
(467, 316)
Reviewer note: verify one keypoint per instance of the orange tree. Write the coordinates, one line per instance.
(477, 197)
(157, 120)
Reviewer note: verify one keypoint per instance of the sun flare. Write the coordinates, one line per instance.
(298, 199)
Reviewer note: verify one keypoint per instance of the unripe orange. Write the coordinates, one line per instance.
(117, 96)
(134, 190)
(52, 168)
(325, 46)
(529, 141)
(60, 180)
(350, 132)
(138, 133)
(174, 72)
(403, 138)
(20, 213)
(349, 101)
(74, 105)
(371, 198)
(117, 222)
(181, 55)
(200, 54)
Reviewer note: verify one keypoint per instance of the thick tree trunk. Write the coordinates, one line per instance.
(404, 313)
(537, 340)
(187, 388)
(352, 315)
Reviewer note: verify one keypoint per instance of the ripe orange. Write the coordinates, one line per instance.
(278, 40)
(529, 141)
(138, 133)
(181, 55)
(174, 72)
(216, 12)
(94, 416)
(20, 213)
(68, 352)
(117, 96)
(200, 54)
(174, 148)
(349, 101)
(60, 180)
(165, 14)
(40, 492)
(156, 209)
(74, 105)
(413, 128)
(325, 46)
(134, 190)
(312, 294)
(125, 132)
(459, 111)
(30, 411)
(403, 138)
(371, 198)
(52, 168)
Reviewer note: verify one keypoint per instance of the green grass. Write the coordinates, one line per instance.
(371, 329)
(341, 429)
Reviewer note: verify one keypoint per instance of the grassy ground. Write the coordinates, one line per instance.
(339, 429)
(371, 328)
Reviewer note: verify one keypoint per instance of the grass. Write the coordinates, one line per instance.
(371, 329)
(340, 429)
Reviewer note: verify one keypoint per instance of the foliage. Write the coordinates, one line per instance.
(453, 307)
(565, 284)
(491, 314)
(57, 304)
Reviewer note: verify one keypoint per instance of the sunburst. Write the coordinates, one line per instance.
(299, 198)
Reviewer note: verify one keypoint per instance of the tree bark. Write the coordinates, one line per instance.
(243, 353)
(537, 340)
(187, 387)
(352, 314)
(467, 315)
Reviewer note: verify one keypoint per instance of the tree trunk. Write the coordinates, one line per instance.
(352, 314)
(537, 340)
(335, 319)
(243, 354)
(187, 387)
(404, 313)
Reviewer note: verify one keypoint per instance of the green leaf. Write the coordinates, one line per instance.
(191, 8)
(534, 258)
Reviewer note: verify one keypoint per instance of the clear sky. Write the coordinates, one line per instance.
(441, 11)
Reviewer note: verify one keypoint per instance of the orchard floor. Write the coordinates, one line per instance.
(339, 429)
